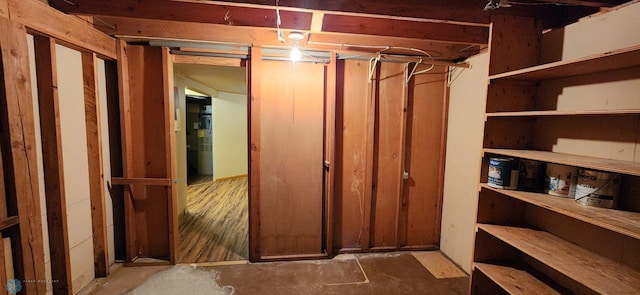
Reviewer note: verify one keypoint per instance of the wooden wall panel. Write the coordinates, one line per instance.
(522, 38)
(425, 145)
(291, 157)
(96, 177)
(17, 127)
(353, 180)
(52, 157)
(388, 167)
(148, 150)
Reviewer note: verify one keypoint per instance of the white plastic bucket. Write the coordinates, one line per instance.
(597, 188)
(561, 180)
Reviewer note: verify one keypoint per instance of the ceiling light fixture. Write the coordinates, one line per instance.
(296, 54)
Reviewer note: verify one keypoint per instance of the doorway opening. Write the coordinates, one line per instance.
(212, 158)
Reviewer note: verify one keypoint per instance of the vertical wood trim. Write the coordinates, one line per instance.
(255, 67)
(443, 155)
(127, 148)
(96, 176)
(402, 155)
(402, 212)
(330, 132)
(52, 157)
(3, 214)
(19, 130)
(372, 94)
(172, 198)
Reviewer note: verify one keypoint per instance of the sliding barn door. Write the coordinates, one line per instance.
(287, 145)
(147, 120)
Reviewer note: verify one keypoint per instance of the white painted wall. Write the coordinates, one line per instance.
(592, 35)
(75, 164)
(230, 135)
(467, 103)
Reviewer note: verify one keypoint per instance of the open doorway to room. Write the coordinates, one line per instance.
(212, 156)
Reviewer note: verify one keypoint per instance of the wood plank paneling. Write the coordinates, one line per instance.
(52, 157)
(149, 150)
(96, 177)
(426, 128)
(291, 147)
(71, 30)
(353, 197)
(390, 127)
(4, 10)
(20, 159)
(255, 92)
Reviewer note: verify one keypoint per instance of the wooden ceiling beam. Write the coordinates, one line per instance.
(407, 29)
(187, 11)
(464, 11)
(143, 29)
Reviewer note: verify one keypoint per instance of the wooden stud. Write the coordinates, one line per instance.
(20, 159)
(329, 150)
(316, 22)
(170, 143)
(437, 32)
(255, 71)
(52, 157)
(370, 151)
(96, 176)
(127, 148)
(207, 60)
(38, 16)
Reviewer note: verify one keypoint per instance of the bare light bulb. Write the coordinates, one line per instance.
(295, 54)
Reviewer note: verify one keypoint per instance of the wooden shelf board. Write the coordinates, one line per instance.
(591, 270)
(564, 113)
(618, 166)
(622, 222)
(514, 280)
(617, 59)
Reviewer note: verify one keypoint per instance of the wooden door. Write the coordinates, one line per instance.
(287, 146)
(147, 120)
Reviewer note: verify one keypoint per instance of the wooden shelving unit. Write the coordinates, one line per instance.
(514, 280)
(563, 113)
(614, 60)
(625, 167)
(623, 222)
(586, 268)
(535, 243)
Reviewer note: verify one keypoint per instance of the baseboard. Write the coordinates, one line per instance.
(231, 177)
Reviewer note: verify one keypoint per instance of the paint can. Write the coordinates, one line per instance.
(597, 188)
(503, 173)
(531, 175)
(560, 180)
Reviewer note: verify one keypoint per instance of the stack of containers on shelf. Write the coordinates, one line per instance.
(586, 186)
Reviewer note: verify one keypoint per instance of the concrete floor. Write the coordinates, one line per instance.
(383, 273)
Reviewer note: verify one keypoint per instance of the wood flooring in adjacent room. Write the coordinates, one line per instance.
(216, 225)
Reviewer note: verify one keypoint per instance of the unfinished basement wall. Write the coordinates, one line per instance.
(591, 35)
(230, 135)
(36, 119)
